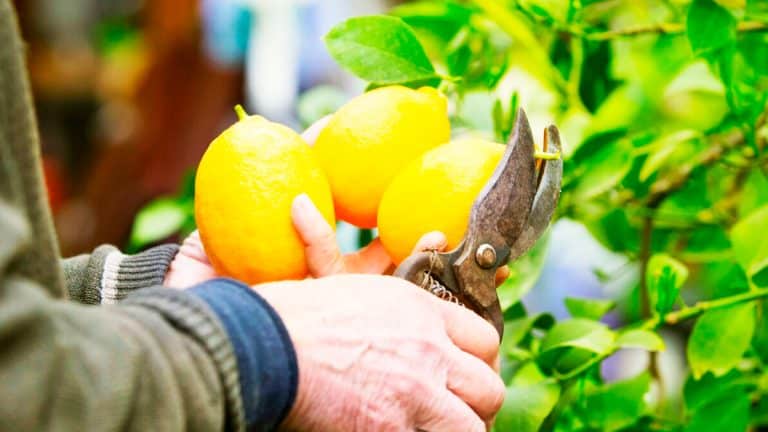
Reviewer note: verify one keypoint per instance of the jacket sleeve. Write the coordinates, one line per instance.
(108, 276)
(160, 360)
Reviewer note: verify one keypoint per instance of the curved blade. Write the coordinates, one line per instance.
(498, 217)
(501, 210)
(545, 202)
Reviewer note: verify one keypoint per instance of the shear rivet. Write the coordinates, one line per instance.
(485, 256)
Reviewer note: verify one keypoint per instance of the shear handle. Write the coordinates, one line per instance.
(419, 267)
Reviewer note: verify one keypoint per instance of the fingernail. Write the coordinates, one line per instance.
(436, 240)
(302, 203)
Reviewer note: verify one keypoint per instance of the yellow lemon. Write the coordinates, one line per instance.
(371, 138)
(435, 193)
(245, 185)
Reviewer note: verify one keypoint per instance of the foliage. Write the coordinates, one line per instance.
(165, 217)
(662, 106)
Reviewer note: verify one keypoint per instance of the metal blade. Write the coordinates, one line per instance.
(545, 202)
(501, 210)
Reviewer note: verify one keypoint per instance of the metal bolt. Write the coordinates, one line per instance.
(485, 256)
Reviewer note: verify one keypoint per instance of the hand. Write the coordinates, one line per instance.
(190, 266)
(377, 353)
(324, 257)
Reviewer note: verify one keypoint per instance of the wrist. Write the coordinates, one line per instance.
(266, 360)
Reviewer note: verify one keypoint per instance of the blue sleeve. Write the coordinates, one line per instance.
(266, 360)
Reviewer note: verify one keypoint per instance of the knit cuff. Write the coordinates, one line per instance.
(193, 317)
(266, 360)
(124, 274)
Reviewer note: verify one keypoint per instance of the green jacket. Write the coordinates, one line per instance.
(156, 361)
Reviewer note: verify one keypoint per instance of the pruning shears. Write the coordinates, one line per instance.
(507, 217)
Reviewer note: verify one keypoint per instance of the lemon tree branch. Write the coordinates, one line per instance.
(666, 28)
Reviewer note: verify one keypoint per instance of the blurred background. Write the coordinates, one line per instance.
(129, 93)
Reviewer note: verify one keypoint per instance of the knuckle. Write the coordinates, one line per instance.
(429, 349)
(498, 393)
(489, 340)
(380, 415)
(327, 237)
(412, 385)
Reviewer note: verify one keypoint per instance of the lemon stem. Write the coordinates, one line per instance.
(546, 156)
(241, 114)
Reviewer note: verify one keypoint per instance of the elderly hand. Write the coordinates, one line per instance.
(377, 353)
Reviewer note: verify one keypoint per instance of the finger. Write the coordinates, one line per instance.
(193, 248)
(502, 273)
(448, 413)
(372, 259)
(322, 252)
(470, 332)
(310, 135)
(434, 240)
(476, 383)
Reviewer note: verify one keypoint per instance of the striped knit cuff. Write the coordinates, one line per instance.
(266, 359)
(192, 316)
(124, 274)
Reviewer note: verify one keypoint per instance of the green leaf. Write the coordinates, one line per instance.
(639, 338)
(526, 406)
(664, 277)
(709, 387)
(720, 338)
(441, 18)
(523, 273)
(380, 49)
(668, 149)
(432, 82)
(571, 345)
(158, 220)
(748, 238)
(593, 309)
(709, 27)
(728, 412)
(601, 166)
(516, 330)
(760, 339)
(319, 102)
(498, 119)
(618, 404)
(755, 192)
(579, 333)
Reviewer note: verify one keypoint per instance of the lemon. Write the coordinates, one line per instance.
(435, 193)
(371, 138)
(245, 185)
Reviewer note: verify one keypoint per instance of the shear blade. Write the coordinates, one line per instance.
(501, 209)
(547, 195)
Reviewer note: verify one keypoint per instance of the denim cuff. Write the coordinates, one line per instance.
(266, 360)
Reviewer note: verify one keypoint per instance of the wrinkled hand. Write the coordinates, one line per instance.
(377, 353)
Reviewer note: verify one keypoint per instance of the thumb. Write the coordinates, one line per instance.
(322, 253)
(433, 240)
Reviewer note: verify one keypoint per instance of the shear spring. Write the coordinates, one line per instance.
(435, 287)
